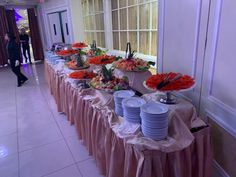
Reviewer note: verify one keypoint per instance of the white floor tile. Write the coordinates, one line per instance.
(8, 112)
(35, 136)
(71, 171)
(9, 166)
(88, 168)
(77, 148)
(7, 126)
(32, 119)
(8, 145)
(67, 129)
(44, 160)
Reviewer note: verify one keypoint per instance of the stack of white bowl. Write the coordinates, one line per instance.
(154, 120)
(131, 109)
(118, 97)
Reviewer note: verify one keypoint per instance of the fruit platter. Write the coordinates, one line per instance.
(77, 63)
(132, 65)
(169, 82)
(111, 86)
(101, 60)
(66, 53)
(79, 45)
(107, 82)
(82, 75)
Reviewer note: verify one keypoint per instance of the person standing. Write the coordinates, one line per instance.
(24, 39)
(14, 58)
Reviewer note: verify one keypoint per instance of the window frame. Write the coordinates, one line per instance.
(138, 30)
(108, 30)
(94, 21)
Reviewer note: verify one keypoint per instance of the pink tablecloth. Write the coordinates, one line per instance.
(119, 148)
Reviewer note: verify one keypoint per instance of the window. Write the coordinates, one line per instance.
(132, 21)
(93, 17)
(135, 21)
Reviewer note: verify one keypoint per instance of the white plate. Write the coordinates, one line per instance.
(154, 108)
(133, 102)
(124, 94)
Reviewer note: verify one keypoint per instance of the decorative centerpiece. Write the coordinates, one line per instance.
(77, 63)
(169, 82)
(94, 51)
(131, 64)
(106, 81)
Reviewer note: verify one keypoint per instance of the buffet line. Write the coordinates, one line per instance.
(130, 131)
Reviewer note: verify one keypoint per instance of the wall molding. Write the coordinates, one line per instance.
(221, 122)
(196, 42)
(217, 169)
(161, 29)
(215, 42)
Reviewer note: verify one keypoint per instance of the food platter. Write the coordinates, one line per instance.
(101, 60)
(66, 53)
(109, 86)
(168, 83)
(79, 68)
(82, 75)
(132, 65)
(182, 90)
(79, 46)
(73, 65)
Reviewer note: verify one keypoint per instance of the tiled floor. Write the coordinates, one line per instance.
(35, 140)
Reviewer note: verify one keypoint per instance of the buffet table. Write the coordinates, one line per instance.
(119, 148)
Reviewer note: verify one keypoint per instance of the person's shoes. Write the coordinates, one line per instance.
(22, 82)
(19, 85)
(31, 63)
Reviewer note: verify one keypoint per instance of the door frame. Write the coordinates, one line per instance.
(46, 22)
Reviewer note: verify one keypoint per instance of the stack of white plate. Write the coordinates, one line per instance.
(154, 120)
(118, 97)
(131, 109)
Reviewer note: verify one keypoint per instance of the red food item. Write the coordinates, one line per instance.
(79, 45)
(82, 75)
(184, 82)
(66, 52)
(101, 60)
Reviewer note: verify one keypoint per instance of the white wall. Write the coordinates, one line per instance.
(197, 37)
(182, 34)
(74, 13)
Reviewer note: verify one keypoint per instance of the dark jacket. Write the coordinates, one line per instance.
(25, 38)
(13, 52)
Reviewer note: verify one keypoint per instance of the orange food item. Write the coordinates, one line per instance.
(66, 52)
(71, 64)
(79, 45)
(101, 60)
(134, 64)
(184, 82)
(82, 75)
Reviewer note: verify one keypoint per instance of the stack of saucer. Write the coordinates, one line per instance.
(154, 120)
(131, 109)
(118, 97)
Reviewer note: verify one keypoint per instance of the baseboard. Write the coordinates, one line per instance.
(218, 171)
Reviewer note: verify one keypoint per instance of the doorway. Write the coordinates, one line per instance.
(22, 22)
(59, 28)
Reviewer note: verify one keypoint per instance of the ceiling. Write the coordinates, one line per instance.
(19, 2)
